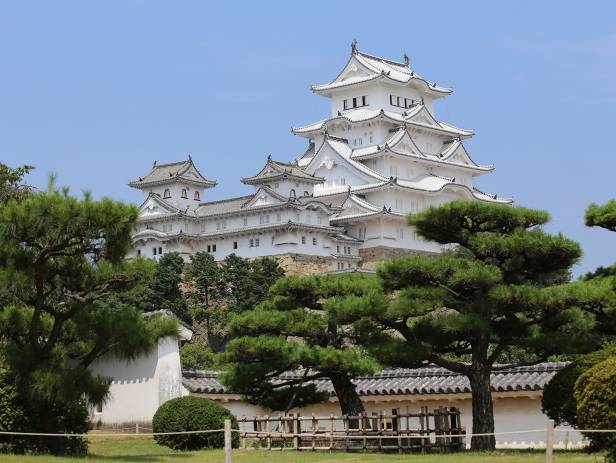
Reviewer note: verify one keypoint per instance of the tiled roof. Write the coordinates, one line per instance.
(410, 117)
(163, 173)
(406, 381)
(276, 169)
(223, 206)
(381, 68)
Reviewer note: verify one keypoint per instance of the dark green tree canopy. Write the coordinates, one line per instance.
(294, 331)
(63, 303)
(217, 291)
(165, 291)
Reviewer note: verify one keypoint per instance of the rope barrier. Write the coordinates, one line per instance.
(283, 434)
(109, 434)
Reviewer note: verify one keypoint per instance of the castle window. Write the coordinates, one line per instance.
(338, 249)
(167, 193)
(235, 245)
(252, 243)
(314, 241)
(184, 194)
(154, 251)
(197, 196)
(303, 240)
(213, 248)
(138, 252)
(245, 221)
(209, 248)
(99, 407)
(160, 251)
(356, 102)
(292, 194)
(257, 242)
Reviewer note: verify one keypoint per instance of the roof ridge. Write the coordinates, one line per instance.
(385, 60)
(226, 200)
(171, 164)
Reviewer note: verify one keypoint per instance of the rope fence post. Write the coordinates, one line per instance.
(549, 442)
(228, 441)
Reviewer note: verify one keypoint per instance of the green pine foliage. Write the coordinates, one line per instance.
(498, 292)
(602, 216)
(217, 291)
(11, 182)
(193, 414)
(165, 291)
(63, 305)
(294, 331)
(595, 396)
(197, 356)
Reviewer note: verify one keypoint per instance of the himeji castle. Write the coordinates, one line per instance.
(380, 155)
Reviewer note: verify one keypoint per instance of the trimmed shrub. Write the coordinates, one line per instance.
(596, 404)
(193, 414)
(558, 401)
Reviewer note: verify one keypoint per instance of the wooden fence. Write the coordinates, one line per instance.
(439, 430)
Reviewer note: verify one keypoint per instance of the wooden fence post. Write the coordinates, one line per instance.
(295, 432)
(228, 441)
(549, 442)
(268, 431)
(332, 430)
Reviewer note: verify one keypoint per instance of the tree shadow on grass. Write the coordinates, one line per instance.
(149, 457)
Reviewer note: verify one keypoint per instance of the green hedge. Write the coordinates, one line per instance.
(595, 394)
(558, 401)
(193, 414)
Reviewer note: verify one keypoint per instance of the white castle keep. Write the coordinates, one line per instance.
(341, 205)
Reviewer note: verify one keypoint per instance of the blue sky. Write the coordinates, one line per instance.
(97, 91)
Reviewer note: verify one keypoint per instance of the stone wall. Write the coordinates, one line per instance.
(372, 257)
(302, 264)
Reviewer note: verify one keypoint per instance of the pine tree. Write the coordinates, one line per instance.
(220, 291)
(166, 293)
(294, 331)
(62, 305)
(11, 182)
(602, 216)
(500, 296)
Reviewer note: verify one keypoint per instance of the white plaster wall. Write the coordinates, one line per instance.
(140, 386)
(510, 414)
(176, 194)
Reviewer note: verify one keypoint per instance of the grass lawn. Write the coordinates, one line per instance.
(146, 450)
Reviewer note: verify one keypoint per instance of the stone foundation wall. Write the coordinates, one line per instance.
(302, 264)
(372, 257)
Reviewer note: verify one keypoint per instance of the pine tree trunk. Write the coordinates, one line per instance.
(350, 403)
(483, 412)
